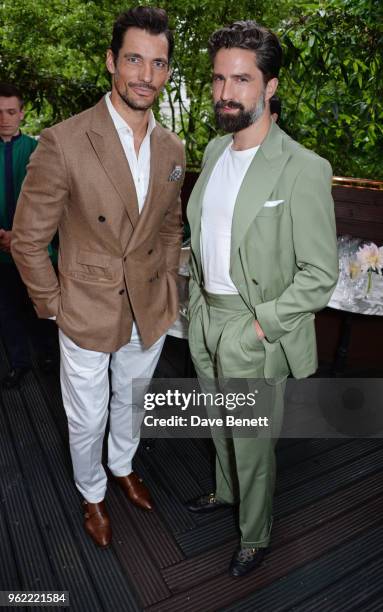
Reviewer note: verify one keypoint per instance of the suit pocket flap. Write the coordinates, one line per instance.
(88, 258)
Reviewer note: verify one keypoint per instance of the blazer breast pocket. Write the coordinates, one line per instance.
(272, 208)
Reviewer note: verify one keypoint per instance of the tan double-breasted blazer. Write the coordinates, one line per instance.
(115, 265)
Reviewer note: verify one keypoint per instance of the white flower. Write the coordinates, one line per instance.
(370, 258)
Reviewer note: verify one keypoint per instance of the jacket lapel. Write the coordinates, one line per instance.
(107, 146)
(159, 170)
(257, 186)
(194, 209)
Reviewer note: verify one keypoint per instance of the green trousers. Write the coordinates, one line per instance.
(224, 344)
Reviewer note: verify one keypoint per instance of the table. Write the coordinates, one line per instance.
(179, 329)
(360, 303)
(372, 304)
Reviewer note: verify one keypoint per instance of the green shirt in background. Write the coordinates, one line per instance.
(14, 158)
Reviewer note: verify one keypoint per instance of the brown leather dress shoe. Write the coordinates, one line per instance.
(97, 523)
(135, 490)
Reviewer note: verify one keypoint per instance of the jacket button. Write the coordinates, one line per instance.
(150, 252)
(121, 291)
(101, 219)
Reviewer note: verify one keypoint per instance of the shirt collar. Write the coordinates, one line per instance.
(12, 139)
(120, 123)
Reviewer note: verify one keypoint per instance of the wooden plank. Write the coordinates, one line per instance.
(9, 578)
(211, 595)
(355, 591)
(360, 229)
(322, 579)
(33, 566)
(318, 465)
(357, 194)
(311, 491)
(111, 584)
(359, 212)
(287, 529)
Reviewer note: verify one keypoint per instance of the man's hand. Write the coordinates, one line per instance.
(258, 330)
(5, 240)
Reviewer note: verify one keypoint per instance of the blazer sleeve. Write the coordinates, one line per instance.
(39, 208)
(194, 286)
(171, 230)
(314, 238)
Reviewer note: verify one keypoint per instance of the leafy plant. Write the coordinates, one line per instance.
(330, 84)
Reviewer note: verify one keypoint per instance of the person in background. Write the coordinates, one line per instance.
(109, 179)
(17, 316)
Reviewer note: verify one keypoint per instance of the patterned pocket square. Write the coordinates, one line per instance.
(175, 174)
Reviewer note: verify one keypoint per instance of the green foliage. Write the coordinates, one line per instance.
(331, 82)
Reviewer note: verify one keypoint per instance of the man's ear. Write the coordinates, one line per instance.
(110, 61)
(271, 88)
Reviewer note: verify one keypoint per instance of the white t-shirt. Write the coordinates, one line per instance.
(217, 216)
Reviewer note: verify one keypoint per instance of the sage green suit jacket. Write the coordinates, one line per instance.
(283, 258)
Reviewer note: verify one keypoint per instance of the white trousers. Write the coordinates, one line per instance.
(85, 392)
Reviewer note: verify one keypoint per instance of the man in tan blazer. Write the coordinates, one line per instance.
(109, 179)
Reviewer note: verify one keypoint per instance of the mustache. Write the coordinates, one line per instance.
(143, 86)
(229, 103)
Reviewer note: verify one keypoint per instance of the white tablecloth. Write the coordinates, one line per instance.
(372, 304)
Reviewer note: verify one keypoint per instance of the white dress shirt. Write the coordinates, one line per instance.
(139, 164)
(217, 217)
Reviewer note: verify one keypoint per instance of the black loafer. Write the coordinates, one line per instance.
(206, 503)
(245, 560)
(14, 377)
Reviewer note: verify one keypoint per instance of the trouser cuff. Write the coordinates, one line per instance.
(262, 542)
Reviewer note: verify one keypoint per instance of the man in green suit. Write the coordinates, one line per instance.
(264, 260)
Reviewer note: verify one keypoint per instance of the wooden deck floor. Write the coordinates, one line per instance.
(327, 542)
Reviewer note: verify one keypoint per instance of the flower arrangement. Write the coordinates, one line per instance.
(370, 258)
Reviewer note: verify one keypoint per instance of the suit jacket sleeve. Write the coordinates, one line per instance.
(314, 238)
(39, 208)
(171, 230)
(194, 287)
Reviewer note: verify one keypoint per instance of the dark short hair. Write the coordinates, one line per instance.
(254, 37)
(153, 20)
(275, 105)
(7, 90)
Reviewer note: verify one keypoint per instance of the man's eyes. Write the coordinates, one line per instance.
(217, 78)
(138, 61)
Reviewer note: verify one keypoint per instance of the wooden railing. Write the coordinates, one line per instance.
(359, 207)
(359, 183)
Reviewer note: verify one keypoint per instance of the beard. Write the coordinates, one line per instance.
(129, 101)
(243, 119)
